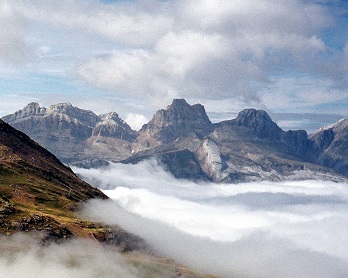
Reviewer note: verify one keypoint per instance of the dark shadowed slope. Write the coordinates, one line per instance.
(331, 145)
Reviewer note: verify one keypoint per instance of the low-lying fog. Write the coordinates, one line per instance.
(267, 229)
(287, 229)
(24, 256)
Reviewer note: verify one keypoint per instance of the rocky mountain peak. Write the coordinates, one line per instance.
(111, 116)
(259, 122)
(32, 109)
(177, 121)
(32, 106)
(113, 126)
(252, 116)
(75, 114)
(178, 103)
(61, 107)
(64, 129)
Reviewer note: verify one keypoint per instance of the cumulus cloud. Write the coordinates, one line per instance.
(135, 121)
(134, 24)
(201, 56)
(154, 51)
(288, 229)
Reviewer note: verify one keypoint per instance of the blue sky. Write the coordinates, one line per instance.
(134, 57)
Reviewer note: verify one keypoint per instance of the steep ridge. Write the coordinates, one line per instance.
(74, 134)
(331, 146)
(37, 190)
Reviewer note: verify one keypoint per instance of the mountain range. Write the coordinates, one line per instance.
(183, 139)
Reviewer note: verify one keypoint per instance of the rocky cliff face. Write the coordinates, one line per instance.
(179, 120)
(74, 134)
(250, 147)
(331, 145)
(258, 123)
(209, 157)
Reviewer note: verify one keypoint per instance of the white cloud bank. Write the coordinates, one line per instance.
(288, 229)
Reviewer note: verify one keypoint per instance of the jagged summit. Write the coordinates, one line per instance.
(251, 115)
(31, 109)
(260, 122)
(66, 130)
(178, 120)
(113, 126)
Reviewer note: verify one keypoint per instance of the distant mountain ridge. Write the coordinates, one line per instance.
(72, 133)
(182, 138)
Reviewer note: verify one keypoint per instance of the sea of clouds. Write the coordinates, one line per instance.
(264, 229)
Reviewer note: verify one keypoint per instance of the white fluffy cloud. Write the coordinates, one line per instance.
(215, 50)
(136, 121)
(154, 51)
(287, 229)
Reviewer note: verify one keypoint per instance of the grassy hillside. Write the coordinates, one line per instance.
(40, 194)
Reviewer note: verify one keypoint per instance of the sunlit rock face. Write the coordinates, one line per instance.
(179, 120)
(111, 125)
(209, 156)
(74, 134)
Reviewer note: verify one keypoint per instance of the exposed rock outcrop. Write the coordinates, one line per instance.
(209, 157)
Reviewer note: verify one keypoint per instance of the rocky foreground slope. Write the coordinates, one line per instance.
(40, 194)
(183, 139)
